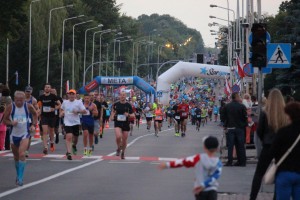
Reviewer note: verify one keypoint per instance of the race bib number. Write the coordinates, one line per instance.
(69, 112)
(21, 119)
(148, 115)
(169, 112)
(177, 117)
(56, 112)
(158, 118)
(46, 109)
(198, 116)
(87, 112)
(184, 114)
(137, 114)
(121, 118)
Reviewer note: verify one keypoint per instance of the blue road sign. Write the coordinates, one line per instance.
(159, 93)
(264, 70)
(279, 55)
(268, 38)
(236, 88)
(247, 69)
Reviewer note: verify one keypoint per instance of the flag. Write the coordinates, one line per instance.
(17, 78)
(239, 67)
(227, 89)
(67, 86)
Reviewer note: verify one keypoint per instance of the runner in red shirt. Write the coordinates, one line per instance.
(183, 109)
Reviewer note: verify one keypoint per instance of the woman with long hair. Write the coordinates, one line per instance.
(271, 119)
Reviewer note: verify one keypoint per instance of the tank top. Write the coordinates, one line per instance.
(22, 116)
(158, 114)
(87, 118)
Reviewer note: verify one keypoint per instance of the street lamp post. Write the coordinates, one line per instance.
(73, 51)
(133, 44)
(100, 44)
(120, 41)
(137, 55)
(62, 51)
(93, 52)
(84, 54)
(29, 57)
(158, 54)
(49, 36)
(114, 57)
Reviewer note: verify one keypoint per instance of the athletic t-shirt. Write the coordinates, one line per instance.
(47, 102)
(120, 109)
(183, 109)
(71, 117)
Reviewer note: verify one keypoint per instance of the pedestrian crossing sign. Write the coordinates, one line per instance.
(279, 55)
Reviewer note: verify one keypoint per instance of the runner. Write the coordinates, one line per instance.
(169, 116)
(132, 119)
(176, 115)
(198, 117)
(57, 119)
(149, 115)
(71, 109)
(30, 100)
(48, 102)
(203, 115)
(183, 109)
(96, 118)
(16, 115)
(103, 115)
(121, 111)
(138, 112)
(88, 124)
(158, 119)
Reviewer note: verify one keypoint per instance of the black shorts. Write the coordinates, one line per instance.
(138, 117)
(72, 129)
(131, 122)
(90, 128)
(56, 121)
(148, 119)
(159, 121)
(182, 119)
(123, 125)
(50, 121)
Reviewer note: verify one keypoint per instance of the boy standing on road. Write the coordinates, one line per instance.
(208, 168)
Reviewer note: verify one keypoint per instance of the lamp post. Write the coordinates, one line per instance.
(159, 48)
(84, 54)
(73, 51)
(137, 55)
(120, 41)
(133, 44)
(49, 36)
(114, 58)
(29, 57)
(62, 51)
(100, 44)
(93, 52)
(107, 48)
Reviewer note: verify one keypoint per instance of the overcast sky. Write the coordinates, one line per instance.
(194, 13)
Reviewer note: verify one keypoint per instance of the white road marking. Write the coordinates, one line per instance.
(8, 192)
(66, 160)
(124, 162)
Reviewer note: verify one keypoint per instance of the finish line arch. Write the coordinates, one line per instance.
(184, 69)
(118, 81)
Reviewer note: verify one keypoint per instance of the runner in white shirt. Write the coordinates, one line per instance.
(71, 109)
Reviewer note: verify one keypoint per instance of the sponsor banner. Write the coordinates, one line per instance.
(117, 80)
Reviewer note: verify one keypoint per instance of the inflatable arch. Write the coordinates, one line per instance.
(125, 80)
(184, 69)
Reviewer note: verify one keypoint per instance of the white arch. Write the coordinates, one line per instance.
(184, 69)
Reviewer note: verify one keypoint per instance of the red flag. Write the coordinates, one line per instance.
(227, 89)
(239, 67)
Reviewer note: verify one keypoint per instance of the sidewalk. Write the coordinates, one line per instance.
(235, 182)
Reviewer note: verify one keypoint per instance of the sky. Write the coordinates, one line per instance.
(193, 13)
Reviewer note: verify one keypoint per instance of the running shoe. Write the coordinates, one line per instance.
(45, 151)
(122, 155)
(177, 134)
(89, 152)
(85, 152)
(52, 148)
(26, 154)
(93, 147)
(69, 157)
(96, 139)
(118, 151)
(101, 135)
(56, 138)
(182, 134)
(74, 149)
(19, 182)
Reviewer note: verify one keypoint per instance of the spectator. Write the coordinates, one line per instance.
(271, 119)
(287, 180)
(235, 121)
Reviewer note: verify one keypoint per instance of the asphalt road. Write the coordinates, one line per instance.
(107, 177)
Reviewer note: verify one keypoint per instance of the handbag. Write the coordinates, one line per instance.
(271, 172)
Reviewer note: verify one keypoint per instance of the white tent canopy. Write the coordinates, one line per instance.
(186, 69)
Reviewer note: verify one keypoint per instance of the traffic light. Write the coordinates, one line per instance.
(259, 45)
(200, 58)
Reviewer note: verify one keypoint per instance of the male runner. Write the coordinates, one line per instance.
(183, 109)
(121, 111)
(16, 115)
(49, 102)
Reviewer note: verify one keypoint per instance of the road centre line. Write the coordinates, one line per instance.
(8, 192)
